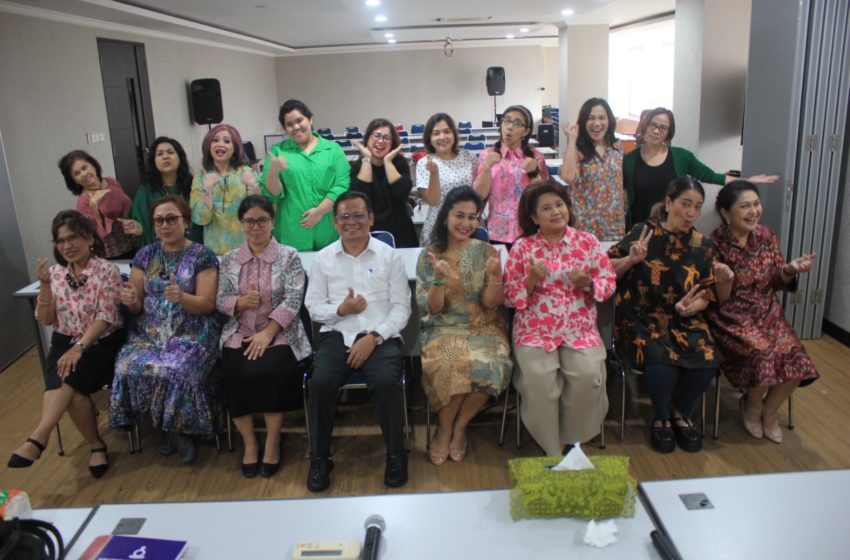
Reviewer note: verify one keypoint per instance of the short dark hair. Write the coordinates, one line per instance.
(351, 195)
(675, 189)
(293, 105)
(440, 233)
(528, 204)
(154, 177)
(647, 117)
(375, 124)
(78, 224)
(429, 129)
(179, 202)
(238, 158)
(255, 201)
(730, 193)
(68, 161)
(584, 144)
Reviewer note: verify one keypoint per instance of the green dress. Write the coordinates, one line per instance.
(465, 347)
(307, 180)
(141, 212)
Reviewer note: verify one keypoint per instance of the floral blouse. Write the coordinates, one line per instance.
(599, 201)
(98, 298)
(222, 230)
(507, 181)
(558, 312)
(279, 277)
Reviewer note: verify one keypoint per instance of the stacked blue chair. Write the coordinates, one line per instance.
(464, 124)
(475, 146)
(417, 128)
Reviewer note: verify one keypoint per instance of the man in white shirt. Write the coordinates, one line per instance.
(358, 290)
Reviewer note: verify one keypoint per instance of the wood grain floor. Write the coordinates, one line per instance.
(820, 440)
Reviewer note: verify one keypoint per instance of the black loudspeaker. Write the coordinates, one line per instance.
(546, 135)
(496, 80)
(206, 101)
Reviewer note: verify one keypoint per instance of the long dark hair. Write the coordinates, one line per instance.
(153, 176)
(80, 225)
(67, 162)
(429, 128)
(440, 233)
(729, 195)
(529, 121)
(675, 189)
(584, 144)
(528, 204)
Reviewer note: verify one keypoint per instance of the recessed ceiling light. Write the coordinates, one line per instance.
(380, 19)
(390, 40)
(567, 12)
(388, 35)
(523, 30)
(373, 2)
(509, 36)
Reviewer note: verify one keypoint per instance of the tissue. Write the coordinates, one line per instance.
(600, 534)
(575, 460)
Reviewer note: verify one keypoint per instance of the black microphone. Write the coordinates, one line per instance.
(374, 525)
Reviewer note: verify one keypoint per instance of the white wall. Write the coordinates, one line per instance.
(51, 95)
(407, 87)
(587, 66)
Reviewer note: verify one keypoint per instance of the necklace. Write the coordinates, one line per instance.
(170, 263)
(76, 282)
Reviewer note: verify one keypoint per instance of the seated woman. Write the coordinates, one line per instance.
(167, 172)
(260, 291)
(465, 350)
(554, 277)
(79, 299)
(665, 282)
(101, 200)
(164, 371)
(759, 350)
(384, 175)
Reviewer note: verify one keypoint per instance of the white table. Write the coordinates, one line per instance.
(67, 520)
(452, 525)
(798, 515)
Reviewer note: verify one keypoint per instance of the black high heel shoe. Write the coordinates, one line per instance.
(268, 470)
(98, 471)
(250, 470)
(18, 462)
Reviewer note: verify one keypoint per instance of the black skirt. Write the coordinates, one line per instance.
(94, 369)
(268, 384)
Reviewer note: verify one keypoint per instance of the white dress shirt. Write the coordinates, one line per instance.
(378, 274)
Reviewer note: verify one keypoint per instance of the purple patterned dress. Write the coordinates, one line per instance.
(165, 370)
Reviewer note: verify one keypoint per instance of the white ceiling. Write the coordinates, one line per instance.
(291, 27)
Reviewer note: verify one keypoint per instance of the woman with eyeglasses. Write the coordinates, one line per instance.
(655, 164)
(303, 176)
(260, 290)
(100, 199)
(79, 298)
(164, 372)
(505, 170)
(384, 175)
(465, 350)
(593, 169)
(221, 186)
(445, 167)
(167, 171)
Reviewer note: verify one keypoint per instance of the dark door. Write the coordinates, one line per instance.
(124, 71)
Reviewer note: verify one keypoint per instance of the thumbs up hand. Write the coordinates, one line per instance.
(352, 304)
(173, 293)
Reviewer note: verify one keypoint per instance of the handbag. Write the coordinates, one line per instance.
(30, 539)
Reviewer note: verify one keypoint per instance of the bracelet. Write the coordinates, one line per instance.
(439, 282)
(41, 302)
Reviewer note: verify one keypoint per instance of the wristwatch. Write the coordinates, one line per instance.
(81, 345)
(378, 338)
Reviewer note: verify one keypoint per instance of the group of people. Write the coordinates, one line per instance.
(210, 316)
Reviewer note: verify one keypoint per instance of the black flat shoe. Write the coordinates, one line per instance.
(662, 436)
(687, 436)
(318, 478)
(395, 475)
(250, 470)
(268, 470)
(98, 471)
(18, 462)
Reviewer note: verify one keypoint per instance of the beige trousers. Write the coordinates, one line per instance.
(563, 394)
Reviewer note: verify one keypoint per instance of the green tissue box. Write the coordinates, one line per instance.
(603, 492)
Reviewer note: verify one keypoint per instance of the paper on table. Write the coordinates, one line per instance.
(600, 534)
(575, 460)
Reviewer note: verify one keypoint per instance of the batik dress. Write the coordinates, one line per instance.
(599, 201)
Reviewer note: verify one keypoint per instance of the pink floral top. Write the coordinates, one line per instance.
(98, 298)
(507, 181)
(599, 201)
(557, 311)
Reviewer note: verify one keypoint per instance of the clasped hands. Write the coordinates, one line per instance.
(539, 270)
(363, 347)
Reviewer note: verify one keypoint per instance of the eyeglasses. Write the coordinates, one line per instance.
(378, 136)
(658, 127)
(357, 217)
(170, 219)
(251, 222)
(513, 122)
(70, 240)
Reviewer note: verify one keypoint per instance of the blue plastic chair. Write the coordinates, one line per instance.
(344, 143)
(417, 128)
(464, 130)
(403, 133)
(324, 131)
(384, 236)
(477, 138)
(356, 135)
(464, 124)
(475, 146)
(405, 140)
(481, 234)
(352, 129)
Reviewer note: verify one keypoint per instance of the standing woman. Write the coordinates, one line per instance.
(101, 200)
(505, 170)
(760, 352)
(384, 175)
(167, 172)
(465, 349)
(665, 282)
(303, 176)
(260, 291)
(79, 299)
(593, 169)
(164, 371)
(655, 164)
(445, 167)
(554, 277)
(221, 186)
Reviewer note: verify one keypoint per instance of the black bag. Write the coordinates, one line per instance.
(30, 539)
